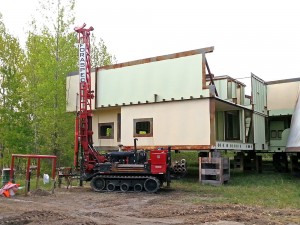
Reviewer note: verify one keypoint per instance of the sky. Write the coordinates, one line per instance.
(262, 37)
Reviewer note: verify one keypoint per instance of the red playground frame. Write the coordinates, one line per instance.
(29, 157)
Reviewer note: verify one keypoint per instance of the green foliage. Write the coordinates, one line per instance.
(14, 126)
(51, 55)
(99, 53)
(33, 116)
(190, 156)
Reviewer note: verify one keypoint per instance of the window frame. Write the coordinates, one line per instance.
(279, 134)
(106, 124)
(237, 113)
(119, 126)
(135, 121)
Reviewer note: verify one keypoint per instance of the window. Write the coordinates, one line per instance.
(143, 127)
(277, 126)
(106, 130)
(273, 134)
(232, 125)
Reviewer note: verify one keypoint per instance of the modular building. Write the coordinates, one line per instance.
(174, 100)
(282, 98)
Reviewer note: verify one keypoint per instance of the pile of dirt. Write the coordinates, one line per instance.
(42, 217)
(40, 192)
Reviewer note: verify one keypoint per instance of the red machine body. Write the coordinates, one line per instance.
(158, 159)
(128, 170)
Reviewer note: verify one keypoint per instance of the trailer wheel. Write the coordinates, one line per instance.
(151, 185)
(124, 187)
(110, 187)
(98, 183)
(138, 187)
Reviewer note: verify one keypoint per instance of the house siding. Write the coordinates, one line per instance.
(282, 98)
(151, 82)
(72, 91)
(174, 123)
(106, 116)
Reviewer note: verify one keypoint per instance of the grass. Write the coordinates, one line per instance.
(267, 189)
(21, 180)
(270, 189)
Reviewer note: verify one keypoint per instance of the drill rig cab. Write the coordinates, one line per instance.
(124, 171)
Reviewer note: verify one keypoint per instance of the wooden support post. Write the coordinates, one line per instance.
(27, 181)
(38, 171)
(258, 163)
(239, 161)
(11, 175)
(294, 164)
(53, 175)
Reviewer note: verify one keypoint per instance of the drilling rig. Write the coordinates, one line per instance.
(123, 170)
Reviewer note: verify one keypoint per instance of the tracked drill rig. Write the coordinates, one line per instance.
(125, 170)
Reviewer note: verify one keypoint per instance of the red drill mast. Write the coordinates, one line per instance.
(121, 170)
(84, 133)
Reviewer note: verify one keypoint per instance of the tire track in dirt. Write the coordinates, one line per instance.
(83, 206)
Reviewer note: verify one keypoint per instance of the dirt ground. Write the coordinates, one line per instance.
(80, 205)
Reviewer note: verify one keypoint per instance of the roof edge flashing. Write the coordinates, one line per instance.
(158, 58)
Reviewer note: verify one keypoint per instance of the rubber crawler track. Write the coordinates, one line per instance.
(121, 179)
